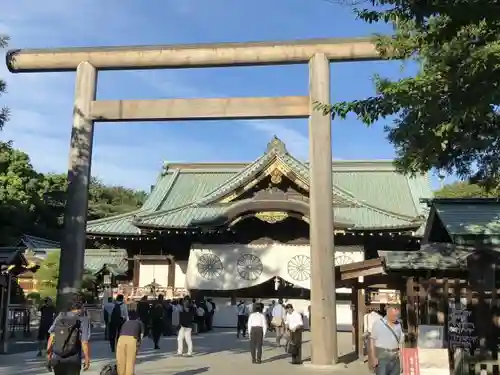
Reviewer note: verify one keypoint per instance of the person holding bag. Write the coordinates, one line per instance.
(386, 340)
(295, 325)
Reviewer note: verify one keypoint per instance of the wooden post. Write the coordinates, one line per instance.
(410, 309)
(361, 302)
(354, 316)
(323, 304)
(75, 214)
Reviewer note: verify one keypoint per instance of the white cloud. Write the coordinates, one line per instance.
(41, 103)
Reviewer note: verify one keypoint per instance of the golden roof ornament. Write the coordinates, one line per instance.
(276, 177)
(271, 217)
(277, 145)
(165, 168)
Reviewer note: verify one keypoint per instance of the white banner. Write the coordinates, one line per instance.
(231, 267)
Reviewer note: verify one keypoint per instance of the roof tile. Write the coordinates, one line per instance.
(377, 196)
(469, 218)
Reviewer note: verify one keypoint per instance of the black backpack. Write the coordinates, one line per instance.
(116, 314)
(109, 370)
(67, 341)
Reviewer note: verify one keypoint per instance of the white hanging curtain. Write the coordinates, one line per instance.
(231, 267)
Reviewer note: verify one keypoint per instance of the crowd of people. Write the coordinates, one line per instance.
(68, 334)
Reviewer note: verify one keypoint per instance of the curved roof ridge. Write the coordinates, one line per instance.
(165, 192)
(387, 212)
(243, 174)
(114, 217)
(336, 189)
(334, 185)
(164, 212)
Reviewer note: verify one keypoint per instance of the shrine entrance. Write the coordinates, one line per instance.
(87, 110)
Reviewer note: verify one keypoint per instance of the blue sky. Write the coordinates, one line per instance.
(131, 154)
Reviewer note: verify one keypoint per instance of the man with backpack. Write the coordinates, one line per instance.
(69, 339)
(119, 315)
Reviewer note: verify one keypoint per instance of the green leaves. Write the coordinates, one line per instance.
(47, 277)
(33, 203)
(4, 112)
(464, 190)
(447, 116)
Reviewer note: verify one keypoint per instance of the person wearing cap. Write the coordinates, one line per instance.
(386, 340)
(294, 324)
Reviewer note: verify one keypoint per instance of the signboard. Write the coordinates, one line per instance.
(461, 330)
(411, 364)
(433, 361)
(430, 336)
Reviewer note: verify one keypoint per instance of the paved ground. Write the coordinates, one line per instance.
(218, 352)
(25, 344)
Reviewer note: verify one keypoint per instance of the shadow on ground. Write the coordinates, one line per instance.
(218, 348)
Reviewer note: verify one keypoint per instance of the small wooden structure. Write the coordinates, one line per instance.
(451, 283)
(12, 264)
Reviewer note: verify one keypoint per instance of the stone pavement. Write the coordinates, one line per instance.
(218, 352)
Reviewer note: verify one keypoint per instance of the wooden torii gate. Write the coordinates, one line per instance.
(317, 53)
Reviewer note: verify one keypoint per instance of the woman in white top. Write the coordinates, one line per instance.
(257, 326)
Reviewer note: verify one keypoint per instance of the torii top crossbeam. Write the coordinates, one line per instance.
(191, 55)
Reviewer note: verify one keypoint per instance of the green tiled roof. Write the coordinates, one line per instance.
(370, 194)
(429, 257)
(115, 259)
(94, 261)
(37, 244)
(469, 218)
(8, 255)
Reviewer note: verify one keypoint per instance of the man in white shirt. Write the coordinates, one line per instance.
(368, 321)
(278, 321)
(295, 324)
(257, 327)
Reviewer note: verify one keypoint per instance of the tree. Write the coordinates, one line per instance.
(4, 111)
(47, 278)
(19, 194)
(465, 190)
(447, 116)
(47, 275)
(107, 201)
(31, 202)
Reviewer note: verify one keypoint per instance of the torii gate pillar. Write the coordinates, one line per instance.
(324, 352)
(80, 158)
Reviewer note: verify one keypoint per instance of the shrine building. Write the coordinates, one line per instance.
(241, 230)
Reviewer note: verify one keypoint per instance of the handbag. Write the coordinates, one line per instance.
(291, 348)
(277, 321)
